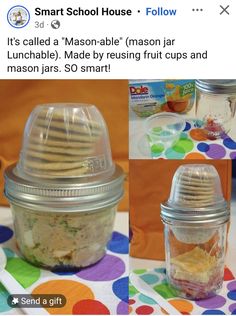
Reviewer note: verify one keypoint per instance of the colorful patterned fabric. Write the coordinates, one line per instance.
(222, 304)
(193, 144)
(99, 289)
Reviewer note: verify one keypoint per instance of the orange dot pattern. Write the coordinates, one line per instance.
(184, 307)
(195, 155)
(72, 290)
(198, 134)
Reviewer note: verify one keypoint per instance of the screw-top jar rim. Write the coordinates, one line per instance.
(216, 86)
(211, 214)
(64, 195)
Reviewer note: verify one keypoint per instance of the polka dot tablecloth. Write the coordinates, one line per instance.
(101, 289)
(193, 144)
(222, 304)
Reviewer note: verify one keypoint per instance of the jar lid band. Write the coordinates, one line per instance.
(64, 195)
(217, 215)
(216, 86)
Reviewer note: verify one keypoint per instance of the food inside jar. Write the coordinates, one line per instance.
(213, 127)
(196, 274)
(63, 240)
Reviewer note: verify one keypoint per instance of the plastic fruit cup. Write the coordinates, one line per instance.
(178, 106)
(164, 128)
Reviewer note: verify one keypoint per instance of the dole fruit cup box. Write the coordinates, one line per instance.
(147, 97)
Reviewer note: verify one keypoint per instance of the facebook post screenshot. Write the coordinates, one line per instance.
(117, 157)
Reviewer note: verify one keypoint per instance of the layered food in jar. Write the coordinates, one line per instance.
(195, 218)
(197, 273)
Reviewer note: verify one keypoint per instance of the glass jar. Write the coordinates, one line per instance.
(63, 225)
(215, 106)
(195, 219)
(65, 189)
(196, 270)
(58, 240)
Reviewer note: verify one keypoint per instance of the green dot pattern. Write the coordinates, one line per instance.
(157, 148)
(140, 271)
(183, 146)
(132, 291)
(165, 290)
(156, 129)
(22, 271)
(178, 150)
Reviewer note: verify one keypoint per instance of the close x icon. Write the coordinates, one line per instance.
(224, 9)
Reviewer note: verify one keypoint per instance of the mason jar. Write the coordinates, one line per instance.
(215, 106)
(65, 188)
(66, 225)
(195, 221)
(195, 267)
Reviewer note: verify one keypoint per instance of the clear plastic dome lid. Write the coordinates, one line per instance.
(196, 186)
(65, 140)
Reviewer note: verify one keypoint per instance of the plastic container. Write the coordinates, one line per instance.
(148, 97)
(65, 189)
(195, 218)
(164, 129)
(215, 106)
(146, 108)
(65, 141)
(180, 95)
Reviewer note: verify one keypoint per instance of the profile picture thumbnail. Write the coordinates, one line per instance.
(18, 16)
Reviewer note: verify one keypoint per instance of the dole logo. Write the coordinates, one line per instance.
(138, 90)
